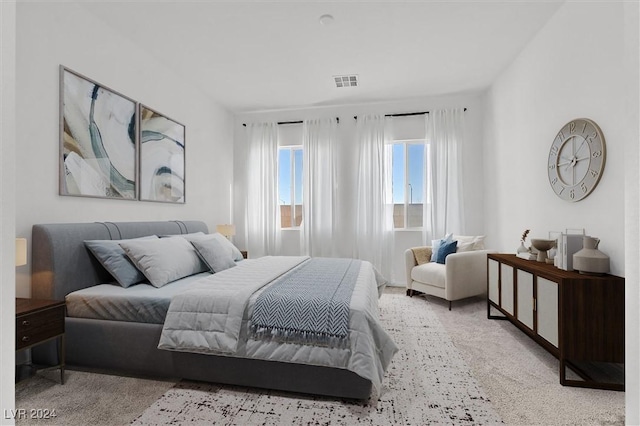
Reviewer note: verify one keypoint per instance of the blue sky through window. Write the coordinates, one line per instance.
(414, 157)
(285, 175)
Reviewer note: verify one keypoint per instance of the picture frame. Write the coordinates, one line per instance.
(162, 157)
(98, 139)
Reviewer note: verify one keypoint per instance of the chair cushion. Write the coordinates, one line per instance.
(431, 273)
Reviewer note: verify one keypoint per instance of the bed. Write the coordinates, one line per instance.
(63, 267)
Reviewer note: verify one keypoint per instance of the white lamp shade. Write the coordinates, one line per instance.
(226, 230)
(21, 251)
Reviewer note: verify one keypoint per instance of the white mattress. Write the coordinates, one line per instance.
(138, 303)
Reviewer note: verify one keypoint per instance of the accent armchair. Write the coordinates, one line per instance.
(464, 274)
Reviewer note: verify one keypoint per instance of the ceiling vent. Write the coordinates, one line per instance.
(346, 80)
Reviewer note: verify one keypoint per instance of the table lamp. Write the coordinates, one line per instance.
(227, 230)
(21, 251)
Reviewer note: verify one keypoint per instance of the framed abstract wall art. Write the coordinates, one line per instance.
(98, 132)
(162, 157)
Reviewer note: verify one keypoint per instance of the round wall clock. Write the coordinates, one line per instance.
(576, 159)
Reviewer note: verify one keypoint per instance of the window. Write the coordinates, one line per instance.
(290, 186)
(407, 186)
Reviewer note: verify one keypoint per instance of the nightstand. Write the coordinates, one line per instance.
(39, 321)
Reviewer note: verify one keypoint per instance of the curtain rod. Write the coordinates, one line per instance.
(291, 122)
(404, 114)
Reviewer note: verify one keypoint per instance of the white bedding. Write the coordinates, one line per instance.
(212, 317)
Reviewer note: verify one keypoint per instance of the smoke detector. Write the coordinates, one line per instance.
(346, 80)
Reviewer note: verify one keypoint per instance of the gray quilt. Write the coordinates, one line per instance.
(214, 315)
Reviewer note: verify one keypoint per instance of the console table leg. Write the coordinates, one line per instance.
(61, 355)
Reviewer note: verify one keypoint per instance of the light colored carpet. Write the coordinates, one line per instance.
(86, 398)
(518, 377)
(428, 382)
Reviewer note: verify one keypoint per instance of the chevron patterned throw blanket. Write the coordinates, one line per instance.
(310, 305)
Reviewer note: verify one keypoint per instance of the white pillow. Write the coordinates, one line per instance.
(164, 260)
(469, 242)
(470, 246)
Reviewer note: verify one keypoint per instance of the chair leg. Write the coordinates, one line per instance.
(449, 304)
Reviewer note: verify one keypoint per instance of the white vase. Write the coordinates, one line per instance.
(590, 260)
(522, 248)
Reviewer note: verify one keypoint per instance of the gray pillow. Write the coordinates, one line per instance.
(115, 260)
(214, 254)
(164, 260)
(224, 242)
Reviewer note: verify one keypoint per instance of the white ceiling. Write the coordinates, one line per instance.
(265, 55)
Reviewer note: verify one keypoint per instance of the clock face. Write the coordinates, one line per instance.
(576, 159)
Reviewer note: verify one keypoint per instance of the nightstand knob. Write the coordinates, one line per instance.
(25, 322)
(25, 339)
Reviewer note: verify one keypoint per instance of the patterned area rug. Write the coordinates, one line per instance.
(428, 382)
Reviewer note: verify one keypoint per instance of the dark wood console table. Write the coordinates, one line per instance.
(578, 318)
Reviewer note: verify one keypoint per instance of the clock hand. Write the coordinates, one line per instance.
(571, 163)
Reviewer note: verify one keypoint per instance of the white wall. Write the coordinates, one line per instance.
(347, 167)
(50, 34)
(573, 68)
(7, 212)
(583, 63)
(632, 210)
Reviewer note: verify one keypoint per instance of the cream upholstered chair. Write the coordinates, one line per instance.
(464, 273)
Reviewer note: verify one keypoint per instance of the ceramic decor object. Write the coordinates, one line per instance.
(590, 260)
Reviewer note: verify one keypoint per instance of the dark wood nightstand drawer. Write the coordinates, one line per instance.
(39, 326)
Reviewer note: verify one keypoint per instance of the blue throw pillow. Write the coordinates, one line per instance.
(445, 250)
(435, 245)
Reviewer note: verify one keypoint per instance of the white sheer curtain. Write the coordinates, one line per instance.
(262, 214)
(319, 187)
(445, 212)
(374, 216)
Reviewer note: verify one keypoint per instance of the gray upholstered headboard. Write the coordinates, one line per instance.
(61, 263)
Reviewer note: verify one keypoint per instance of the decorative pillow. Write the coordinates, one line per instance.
(214, 254)
(164, 260)
(470, 246)
(445, 250)
(224, 242)
(435, 245)
(115, 260)
(477, 242)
